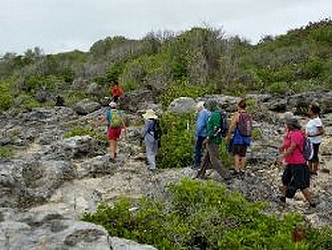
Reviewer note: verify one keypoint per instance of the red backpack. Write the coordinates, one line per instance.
(245, 124)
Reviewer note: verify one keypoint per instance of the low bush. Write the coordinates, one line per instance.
(204, 215)
(5, 152)
(177, 142)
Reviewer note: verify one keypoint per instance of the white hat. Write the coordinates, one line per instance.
(113, 105)
(150, 114)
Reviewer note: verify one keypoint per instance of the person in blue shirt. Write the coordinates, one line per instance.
(200, 132)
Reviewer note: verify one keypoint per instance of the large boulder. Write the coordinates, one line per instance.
(136, 100)
(182, 105)
(86, 106)
(27, 182)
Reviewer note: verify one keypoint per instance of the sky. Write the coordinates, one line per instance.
(64, 25)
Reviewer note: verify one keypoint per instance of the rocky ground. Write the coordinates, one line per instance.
(51, 180)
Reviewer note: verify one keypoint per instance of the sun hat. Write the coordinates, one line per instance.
(113, 105)
(293, 122)
(150, 114)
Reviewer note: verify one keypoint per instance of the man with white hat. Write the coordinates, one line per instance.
(151, 143)
(200, 132)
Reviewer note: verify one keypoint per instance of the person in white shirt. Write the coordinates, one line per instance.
(314, 131)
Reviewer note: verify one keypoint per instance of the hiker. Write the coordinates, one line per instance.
(200, 132)
(116, 91)
(314, 131)
(296, 174)
(212, 143)
(151, 143)
(241, 126)
(115, 123)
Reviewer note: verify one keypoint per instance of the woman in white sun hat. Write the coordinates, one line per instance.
(148, 135)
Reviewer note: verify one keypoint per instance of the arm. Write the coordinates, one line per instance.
(288, 152)
(100, 120)
(320, 131)
(201, 123)
(232, 126)
(123, 121)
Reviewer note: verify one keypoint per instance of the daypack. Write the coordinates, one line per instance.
(114, 118)
(245, 124)
(223, 123)
(308, 149)
(222, 129)
(156, 129)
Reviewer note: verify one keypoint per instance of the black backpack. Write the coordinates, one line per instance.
(156, 129)
(222, 129)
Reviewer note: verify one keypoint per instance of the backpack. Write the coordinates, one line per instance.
(156, 129)
(245, 124)
(222, 128)
(223, 123)
(308, 149)
(114, 118)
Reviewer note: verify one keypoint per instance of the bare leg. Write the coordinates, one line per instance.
(112, 148)
(310, 166)
(315, 166)
(237, 163)
(242, 163)
(308, 196)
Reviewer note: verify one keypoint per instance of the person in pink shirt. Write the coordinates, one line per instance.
(296, 174)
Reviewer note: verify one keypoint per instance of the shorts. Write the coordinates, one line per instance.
(240, 150)
(114, 133)
(315, 157)
(295, 176)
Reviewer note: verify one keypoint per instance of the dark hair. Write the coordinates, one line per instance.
(242, 104)
(315, 109)
(114, 82)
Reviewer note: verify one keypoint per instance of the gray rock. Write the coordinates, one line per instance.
(182, 105)
(124, 244)
(86, 106)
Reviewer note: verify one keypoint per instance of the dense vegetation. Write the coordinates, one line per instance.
(201, 59)
(195, 215)
(204, 215)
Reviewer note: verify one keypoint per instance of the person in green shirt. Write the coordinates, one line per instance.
(212, 144)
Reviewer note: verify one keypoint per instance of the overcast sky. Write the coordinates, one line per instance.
(64, 25)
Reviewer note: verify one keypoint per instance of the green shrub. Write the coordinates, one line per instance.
(178, 138)
(279, 88)
(177, 141)
(256, 134)
(84, 130)
(5, 95)
(5, 152)
(26, 101)
(204, 215)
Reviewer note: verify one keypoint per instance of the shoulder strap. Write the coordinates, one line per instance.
(108, 115)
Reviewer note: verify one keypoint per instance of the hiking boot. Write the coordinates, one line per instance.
(312, 204)
(112, 160)
(227, 176)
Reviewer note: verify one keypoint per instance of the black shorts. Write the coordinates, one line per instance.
(296, 176)
(240, 150)
(315, 157)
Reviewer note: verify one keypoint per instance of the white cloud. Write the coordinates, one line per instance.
(62, 25)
